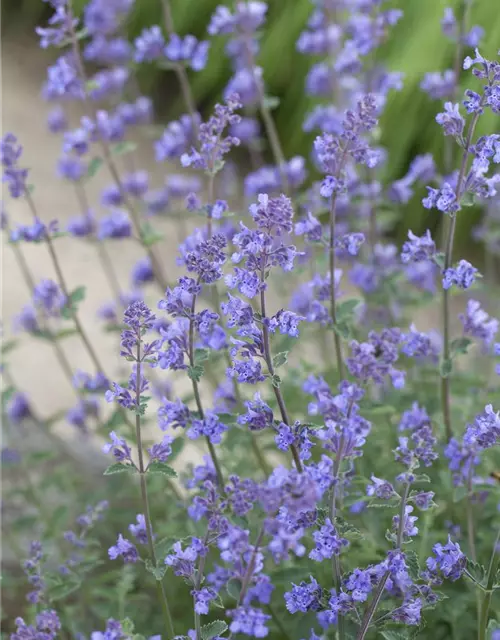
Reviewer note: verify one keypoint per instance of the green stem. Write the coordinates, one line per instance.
(144, 494)
(488, 593)
(448, 258)
(365, 624)
(269, 361)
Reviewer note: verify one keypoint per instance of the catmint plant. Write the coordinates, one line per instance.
(369, 503)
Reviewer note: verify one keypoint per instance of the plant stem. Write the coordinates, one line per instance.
(65, 289)
(333, 311)
(144, 493)
(196, 391)
(269, 362)
(271, 131)
(336, 568)
(365, 624)
(488, 593)
(471, 537)
(448, 258)
(179, 68)
(160, 278)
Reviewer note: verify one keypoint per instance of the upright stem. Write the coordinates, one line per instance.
(269, 362)
(333, 311)
(144, 493)
(113, 169)
(64, 288)
(179, 68)
(196, 391)
(269, 125)
(365, 624)
(471, 536)
(487, 594)
(336, 568)
(448, 258)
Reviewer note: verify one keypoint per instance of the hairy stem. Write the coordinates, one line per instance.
(365, 624)
(448, 259)
(333, 311)
(488, 592)
(269, 362)
(196, 391)
(144, 494)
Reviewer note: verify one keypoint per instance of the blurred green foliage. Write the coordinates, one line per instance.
(415, 47)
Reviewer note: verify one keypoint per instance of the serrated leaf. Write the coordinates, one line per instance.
(468, 199)
(276, 381)
(280, 359)
(161, 467)
(127, 626)
(445, 368)
(422, 477)
(196, 372)
(345, 310)
(460, 345)
(413, 565)
(213, 629)
(200, 355)
(158, 571)
(120, 467)
(384, 504)
(477, 571)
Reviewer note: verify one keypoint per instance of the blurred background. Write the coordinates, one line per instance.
(415, 46)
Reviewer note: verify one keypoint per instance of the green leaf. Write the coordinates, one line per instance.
(150, 236)
(119, 467)
(161, 467)
(196, 372)
(158, 571)
(468, 199)
(94, 165)
(276, 381)
(422, 477)
(459, 494)
(71, 305)
(439, 260)
(127, 626)
(413, 565)
(121, 148)
(60, 591)
(346, 309)
(233, 588)
(384, 504)
(445, 368)
(477, 571)
(390, 634)
(342, 330)
(177, 447)
(280, 359)
(200, 355)
(460, 345)
(213, 629)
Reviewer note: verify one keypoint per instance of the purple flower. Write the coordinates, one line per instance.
(160, 452)
(349, 244)
(125, 549)
(443, 199)
(210, 426)
(423, 500)
(249, 621)
(213, 146)
(18, 408)
(439, 85)
(173, 414)
(56, 120)
(310, 227)
(47, 625)
(463, 275)
(14, 176)
(114, 631)
(139, 530)
(409, 528)
(258, 415)
(417, 249)
(142, 272)
(119, 448)
(451, 120)
(409, 612)
(273, 215)
(188, 50)
(48, 296)
(149, 45)
(115, 225)
(448, 560)
(478, 324)
(328, 542)
(287, 322)
(484, 432)
(380, 488)
(304, 597)
(202, 599)
(246, 371)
